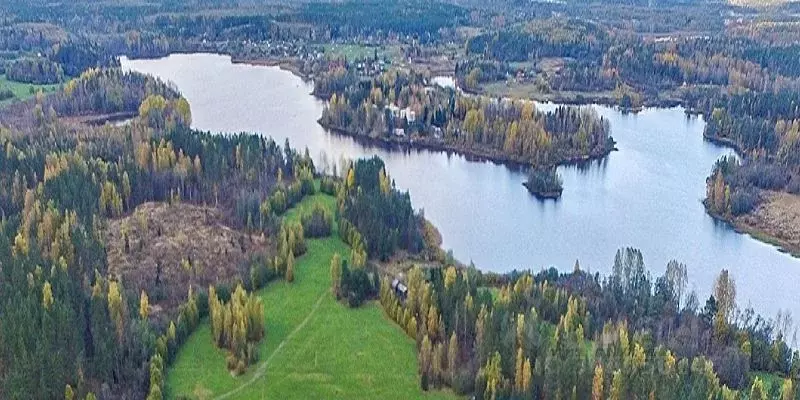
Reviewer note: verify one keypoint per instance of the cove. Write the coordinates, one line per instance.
(646, 195)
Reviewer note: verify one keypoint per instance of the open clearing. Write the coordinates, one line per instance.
(315, 348)
(776, 221)
(21, 90)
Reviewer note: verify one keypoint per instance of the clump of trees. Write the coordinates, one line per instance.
(318, 222)
(328, 185)
(544, 182)
(353, 284)
(379, 217)
(729, 191)
(237, 325)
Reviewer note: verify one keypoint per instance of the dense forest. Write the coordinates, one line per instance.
(763, 127)
(575, 335)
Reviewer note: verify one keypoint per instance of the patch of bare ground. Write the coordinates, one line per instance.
(162, 248)
(776, 220)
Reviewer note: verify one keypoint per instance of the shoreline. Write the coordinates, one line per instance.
(470, 154)
(589, 98)
(554, 195)
(761, 235)
(285, 64)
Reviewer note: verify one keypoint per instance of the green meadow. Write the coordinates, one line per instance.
(21, 90)
(315, 347)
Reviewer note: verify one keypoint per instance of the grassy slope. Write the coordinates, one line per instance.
(314, 348)
(21, 90)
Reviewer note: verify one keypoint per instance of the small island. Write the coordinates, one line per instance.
(544, 183)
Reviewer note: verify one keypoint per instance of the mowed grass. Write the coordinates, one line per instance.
(21, 90)
(315, 347)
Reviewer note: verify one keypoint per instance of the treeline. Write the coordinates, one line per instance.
(378, 218)
(573, 335)
(237, 325)
(403, 107)
(422, 20)
(38, 71)
(765, 129)
(44, 53)
(593, 58)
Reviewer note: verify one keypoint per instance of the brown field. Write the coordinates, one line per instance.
(776, 220)
(161, 236)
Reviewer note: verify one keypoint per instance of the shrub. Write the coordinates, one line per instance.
(544, 181)
(278, 202)
(318, 222)
(743, 201)
(328, 185)
(6, 94)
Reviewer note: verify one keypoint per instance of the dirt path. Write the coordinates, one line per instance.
(262, 368)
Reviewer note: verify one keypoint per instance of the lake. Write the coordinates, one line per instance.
(646, 195)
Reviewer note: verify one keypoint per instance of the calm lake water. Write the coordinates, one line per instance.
(646, 195)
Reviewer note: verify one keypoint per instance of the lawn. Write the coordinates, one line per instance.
(315, 347)
(21, 90)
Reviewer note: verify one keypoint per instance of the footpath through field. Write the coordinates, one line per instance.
(315, 347)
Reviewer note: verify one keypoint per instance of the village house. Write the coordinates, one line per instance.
(400, 289)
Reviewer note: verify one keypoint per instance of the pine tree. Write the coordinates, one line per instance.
(452, 357)
(290, 267)
(425, 360)
(757, 390)
(144, 306)
(69, 394)
(787, 391)
(492, 373)
(520, 360)
(527, 375)
(597, 383)
(411, 327)
(436, 364)
(116, 306)
(47, 296)
(617, 389)
(336, 275)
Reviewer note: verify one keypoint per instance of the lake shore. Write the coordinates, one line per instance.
(471, 154)
(543, 195)
(775, 221)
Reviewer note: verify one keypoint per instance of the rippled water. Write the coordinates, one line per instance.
(646, 195)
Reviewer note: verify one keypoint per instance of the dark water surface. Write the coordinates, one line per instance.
(646, 195)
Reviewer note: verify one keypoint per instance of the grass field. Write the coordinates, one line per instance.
(315, 347)
(354, 51)
(21, 90)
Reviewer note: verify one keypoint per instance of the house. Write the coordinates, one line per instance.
(395, 110)
(408, 114)
(400, 290)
